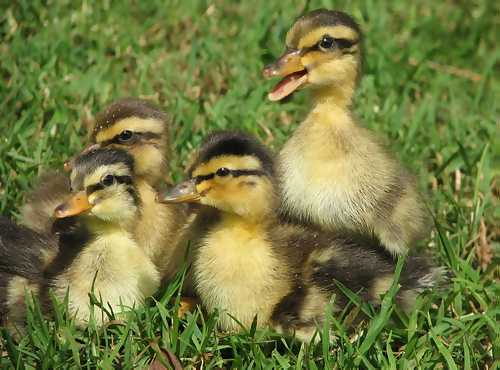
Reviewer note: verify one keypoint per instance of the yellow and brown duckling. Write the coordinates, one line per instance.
(141, 129)
(251, 263)
(334, 172)
(134, 125)
(97, 250)
(20, 268)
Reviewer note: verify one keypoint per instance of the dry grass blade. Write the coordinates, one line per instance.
(452, 70)
(484, 252)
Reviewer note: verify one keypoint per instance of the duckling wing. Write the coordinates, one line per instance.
(21, 249)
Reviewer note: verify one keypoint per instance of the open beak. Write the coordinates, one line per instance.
(294, 73)
(185, 192)
(76, 205)
(69, 164)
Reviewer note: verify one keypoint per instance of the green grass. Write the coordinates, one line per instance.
(429, 88)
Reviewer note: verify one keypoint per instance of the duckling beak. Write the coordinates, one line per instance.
(69, 164)
(76, 205)
(185, 192)
(289, 66)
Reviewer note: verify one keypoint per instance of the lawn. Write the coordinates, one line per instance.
(429, 89)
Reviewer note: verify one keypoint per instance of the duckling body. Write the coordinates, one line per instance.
(238, 271)
(110, 261)
(96, 248)
(252, 263)
(160, 230)
(141, 129)
(113, 266)
(333, 172)
(21, 255)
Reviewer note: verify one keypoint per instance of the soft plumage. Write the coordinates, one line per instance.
(335, 173)
(142, 130)
(250, 262)
(95, 246)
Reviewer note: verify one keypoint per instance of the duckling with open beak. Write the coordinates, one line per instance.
(333, 172)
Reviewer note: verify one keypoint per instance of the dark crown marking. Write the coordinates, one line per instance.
(323, 18)
(104, 157)
(88, 162)
(233, 143)
(125, 108)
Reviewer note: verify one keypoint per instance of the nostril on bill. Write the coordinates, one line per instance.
(60, 209)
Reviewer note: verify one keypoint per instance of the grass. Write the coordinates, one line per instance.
(429, 89)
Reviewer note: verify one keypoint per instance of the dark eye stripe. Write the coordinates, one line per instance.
(201, 178)
(341, 43)
(234, 173)
(137, 136)
(237, 173)
(119, 179)
(345, 43)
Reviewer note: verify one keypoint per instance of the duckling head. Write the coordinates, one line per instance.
(323, 51)
(138, 127)
(233, 173)
(103, 188)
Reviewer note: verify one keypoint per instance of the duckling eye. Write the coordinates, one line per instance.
(327, 42)
(108, 180)
(223, 171)
(125, 135)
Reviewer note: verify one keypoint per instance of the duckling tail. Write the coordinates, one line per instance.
(420, 275)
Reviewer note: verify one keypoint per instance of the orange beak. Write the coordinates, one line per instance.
(287, 64)
(68, 165)
(294, 73)
(76, 205)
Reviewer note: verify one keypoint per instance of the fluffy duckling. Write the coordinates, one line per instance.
(142, 130)
(20, 268)
(335, 173)
(131, 124)
(97, 251)
(250, 263)
(107, 203)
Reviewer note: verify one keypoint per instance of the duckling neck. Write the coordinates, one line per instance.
(100, 228)
(254, 221)
(340, 96)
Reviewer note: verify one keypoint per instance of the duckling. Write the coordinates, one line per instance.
(98, 253)
(142, 130)
(132, 124)
(20, 268)
(107, 203)
(50, 190)
(139, 127)
(335, 173)
(252, 263)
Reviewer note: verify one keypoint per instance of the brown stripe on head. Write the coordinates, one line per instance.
(233, 144)
(126, 108)
(321, 18)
